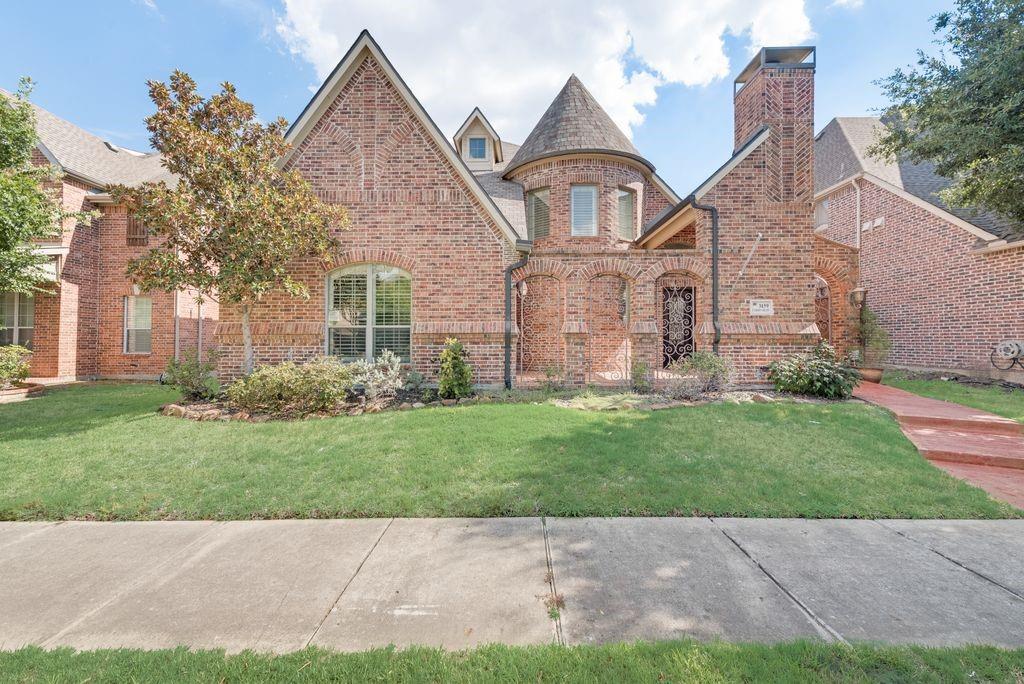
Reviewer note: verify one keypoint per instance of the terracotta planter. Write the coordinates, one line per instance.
(19, 392)
(871, 374)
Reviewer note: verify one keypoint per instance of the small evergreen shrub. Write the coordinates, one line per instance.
(820, 374)
(553, 378)
(291, 389)
(14, 365)
(192, 377)
(640, 377)
(874, 340)
(381, 378)
(455, 379)
(415, 381)
(697, 375)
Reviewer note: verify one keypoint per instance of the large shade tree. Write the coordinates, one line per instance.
(963, 109)
(30, 201)
(234, 220)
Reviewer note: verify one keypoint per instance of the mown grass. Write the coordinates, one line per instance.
(992, 398)
(101, 451)
(640, 662)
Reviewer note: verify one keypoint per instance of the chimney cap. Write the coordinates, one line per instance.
(793, 57)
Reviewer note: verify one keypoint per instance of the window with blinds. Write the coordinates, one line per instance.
(583, 200)
(17, 319)
(137, 234)
(627, 198)
(369, 310)
(138, 325)
(538, 213)
(821, 214)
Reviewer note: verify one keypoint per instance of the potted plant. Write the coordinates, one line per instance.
(874, 345)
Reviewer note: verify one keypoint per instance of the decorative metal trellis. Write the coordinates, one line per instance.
(823, 308)
(678, 312)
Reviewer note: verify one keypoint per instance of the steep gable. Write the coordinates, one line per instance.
(371, 140)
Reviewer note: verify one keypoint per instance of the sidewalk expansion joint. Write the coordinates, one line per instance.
(337, 599)
(826, 631)
(1017, 595)
(559, 637)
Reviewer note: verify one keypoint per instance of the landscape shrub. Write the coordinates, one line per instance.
(380, 378)
(193, 377)
(697, 375)
(14, 365)
(874, 340)
(640, 377)
(415, 381)
(820, 374)
(554, 378)
(455, 379)
(292, 389)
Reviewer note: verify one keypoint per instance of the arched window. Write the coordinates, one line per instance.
(369, 310)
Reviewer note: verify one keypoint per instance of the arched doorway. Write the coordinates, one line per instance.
(609, 353)
(823, 308)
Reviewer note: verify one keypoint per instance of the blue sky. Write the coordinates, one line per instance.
(666, 77)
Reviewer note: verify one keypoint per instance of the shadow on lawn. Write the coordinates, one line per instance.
(67, 411)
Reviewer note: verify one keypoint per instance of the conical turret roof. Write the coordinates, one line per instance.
(574, 122)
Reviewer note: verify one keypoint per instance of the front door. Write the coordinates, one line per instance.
(677, 313)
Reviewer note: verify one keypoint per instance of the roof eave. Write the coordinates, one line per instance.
(588, 151)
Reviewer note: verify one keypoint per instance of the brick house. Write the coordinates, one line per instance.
(567, 254)
(91, 322)
(946, 283)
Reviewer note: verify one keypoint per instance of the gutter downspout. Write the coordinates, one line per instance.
(716, 324)
(524, 247)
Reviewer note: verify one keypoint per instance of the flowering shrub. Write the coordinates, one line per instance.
(292, 389)
(820, 373)
(698, 374)
(13, 364)
(379, 379)
(455, 379)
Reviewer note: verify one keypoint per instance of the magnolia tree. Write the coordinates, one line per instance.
(963, 109)
(235, 219)
(30, 203)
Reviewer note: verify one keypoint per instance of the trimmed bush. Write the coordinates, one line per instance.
(819, 374)
(455, 379)
(291, 389)
(13, 364)
(192, 377)
(380, 379)
(697, 375)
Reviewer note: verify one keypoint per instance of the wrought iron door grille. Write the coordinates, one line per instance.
(677, 324)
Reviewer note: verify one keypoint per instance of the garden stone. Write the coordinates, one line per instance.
(449, 402)
(405, 406)
(174, 410)
(241, 415)
(211, 414)
(759, 398)
(418, 405)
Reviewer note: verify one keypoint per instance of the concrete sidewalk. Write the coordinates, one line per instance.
(355, 584)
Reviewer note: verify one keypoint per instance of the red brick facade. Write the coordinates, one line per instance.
(944, 303)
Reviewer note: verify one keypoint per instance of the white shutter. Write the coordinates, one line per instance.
(584, 210)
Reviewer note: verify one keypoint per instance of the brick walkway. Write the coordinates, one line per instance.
(985, 449)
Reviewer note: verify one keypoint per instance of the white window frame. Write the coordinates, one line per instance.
(18, 327)
(369, 271)
(631, 193)
(593, 230)
(470, 148)
(821, 209)
(531, 212)
(126, 329)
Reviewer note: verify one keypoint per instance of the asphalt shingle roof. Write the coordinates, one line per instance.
(841, 151)
(574, 122)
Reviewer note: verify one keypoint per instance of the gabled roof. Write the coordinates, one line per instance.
(477, 115)
(574, 122)
(365, 46)
(841, 152)
(91, 159)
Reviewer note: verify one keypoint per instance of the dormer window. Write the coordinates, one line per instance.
(478, 148)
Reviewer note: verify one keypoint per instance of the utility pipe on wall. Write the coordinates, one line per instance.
(857, 228)
(714, 268)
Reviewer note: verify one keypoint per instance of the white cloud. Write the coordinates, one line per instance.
(512, 58)
(848, 4)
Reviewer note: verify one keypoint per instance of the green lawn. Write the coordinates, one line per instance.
(101, 451)
(994, 399)
(640, 662)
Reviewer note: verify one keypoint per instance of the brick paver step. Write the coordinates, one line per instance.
(968, 446)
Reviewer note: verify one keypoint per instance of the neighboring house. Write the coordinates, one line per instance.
(947, 283)
(608, 266)
(90, 322)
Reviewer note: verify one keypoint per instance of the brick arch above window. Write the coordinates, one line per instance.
(610, 266)
(687, 265)
(549, 267)
(372, 256)
(830, 270)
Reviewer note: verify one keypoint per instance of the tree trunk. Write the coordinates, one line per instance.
(249, 360)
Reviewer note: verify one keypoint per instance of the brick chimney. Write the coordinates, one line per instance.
(777, 90)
